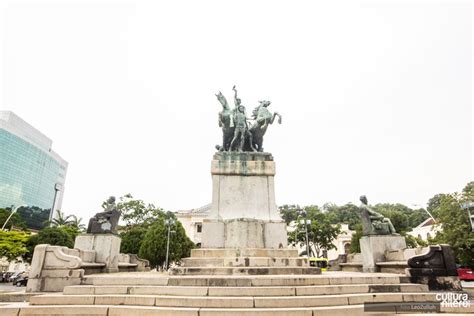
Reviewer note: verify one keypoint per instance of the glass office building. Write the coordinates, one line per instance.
(32, 175)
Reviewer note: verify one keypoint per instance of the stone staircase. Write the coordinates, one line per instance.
(151, 293)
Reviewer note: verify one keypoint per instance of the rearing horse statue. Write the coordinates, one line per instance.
(263, 117)
(225, 122)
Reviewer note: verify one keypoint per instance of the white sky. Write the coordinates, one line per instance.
(376, 97)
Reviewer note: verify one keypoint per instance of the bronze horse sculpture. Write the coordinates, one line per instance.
(261, 116)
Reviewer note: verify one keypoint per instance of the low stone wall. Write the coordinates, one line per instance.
(54, 267)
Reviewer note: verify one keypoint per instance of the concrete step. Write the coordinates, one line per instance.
(353, 310)
(244, 252)
(244, 262)
(244, 270)
(326, 278)
(231, 302)
(244, 291)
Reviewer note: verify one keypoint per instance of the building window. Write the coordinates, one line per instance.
(199, 227)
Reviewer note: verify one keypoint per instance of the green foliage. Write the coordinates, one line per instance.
(321, 232)
(355, 246)
(456, 230)
(15, 220)
(288, 213)
(153, 246)
(345, 214)
(132, 238)
(13, 244)
(137, 211)
(55, 236)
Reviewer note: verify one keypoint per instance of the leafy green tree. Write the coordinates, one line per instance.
(355, 245)
(345, 214)
(13, 244)
(321, 232)
(456, 230)
(288, 213)
(55, 236)
(132, 238)
(153, 246)
(15, 220)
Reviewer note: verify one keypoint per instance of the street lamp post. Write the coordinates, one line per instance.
(11, 214)
(469, 206)
(306, 222)
(168, 222)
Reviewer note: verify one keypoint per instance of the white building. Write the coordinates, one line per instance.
(427, 229)
(192, 222)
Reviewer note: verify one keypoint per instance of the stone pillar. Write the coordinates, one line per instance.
(243, 212)
(106, 247)
(373, 249)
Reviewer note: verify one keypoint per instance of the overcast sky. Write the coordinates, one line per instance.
(376, 97)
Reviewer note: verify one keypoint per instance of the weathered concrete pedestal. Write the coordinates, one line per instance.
(243, 213)
(373, 249)
(106, 247)
(244, 234)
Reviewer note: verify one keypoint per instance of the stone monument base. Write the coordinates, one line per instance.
(373, 249)
(106, 246)
(244, 233)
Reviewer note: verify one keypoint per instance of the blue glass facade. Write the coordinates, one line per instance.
(28, 176)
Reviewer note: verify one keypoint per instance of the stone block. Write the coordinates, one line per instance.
(62, 300)
(332, 289)
(106, 247)
(117, 289)
(151, 311)
(64, 310)
(170, 290)
(300, 301)
(244, 232)
(275, 235)
(213, 234)
(251, 291)
(255, 312)
(374, 247)
(289, 281)
(78, 290)
(110, 299)
(205, 302)
(9, 311)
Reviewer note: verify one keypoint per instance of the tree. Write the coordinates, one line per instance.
(61, 219)
(288, 213)
(456, 230)
(55, 236)
(153, 246)
(345, 214)
(321, 232)
(13, 244)
(355, 245)
(14, 221)
(132, 238)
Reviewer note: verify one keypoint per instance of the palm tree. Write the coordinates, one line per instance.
(76, 222)
(61, 220)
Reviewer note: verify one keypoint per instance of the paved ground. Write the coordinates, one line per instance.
(8, 287)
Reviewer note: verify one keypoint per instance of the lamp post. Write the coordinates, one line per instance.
(11, 214)
(168, 222)
(418, 205)
(306, 222)
(469, 206)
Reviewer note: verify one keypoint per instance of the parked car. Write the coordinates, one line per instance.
(465, 274)
(319, 262)
(14, 276)
(21, 280)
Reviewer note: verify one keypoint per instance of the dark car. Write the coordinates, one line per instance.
(21, 280)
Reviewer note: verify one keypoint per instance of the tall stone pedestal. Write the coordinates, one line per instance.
(243, 212)
(106, 246)
(373, 249)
